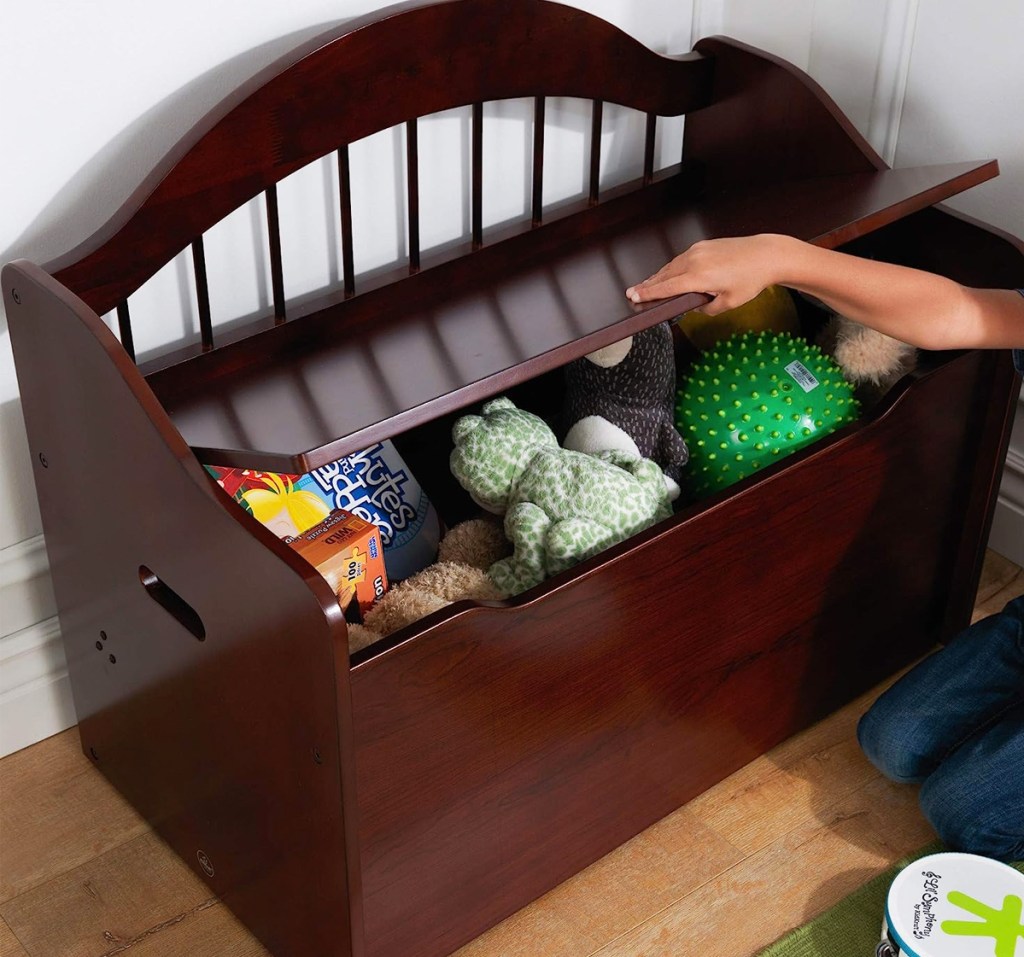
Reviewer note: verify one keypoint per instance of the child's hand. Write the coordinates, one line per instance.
(731, 271)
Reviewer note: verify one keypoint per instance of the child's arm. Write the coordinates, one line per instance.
(918, 307)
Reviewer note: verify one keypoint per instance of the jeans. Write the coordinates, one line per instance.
(955, 725)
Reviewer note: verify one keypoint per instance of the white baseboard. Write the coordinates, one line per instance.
(1007, 536)
(26, 595)
(35, 693)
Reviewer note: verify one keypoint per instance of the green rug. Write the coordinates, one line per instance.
(852, 927)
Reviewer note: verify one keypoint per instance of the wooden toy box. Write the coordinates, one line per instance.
(400, 803)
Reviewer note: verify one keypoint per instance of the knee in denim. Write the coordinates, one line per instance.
(967, 819)
(896, 743)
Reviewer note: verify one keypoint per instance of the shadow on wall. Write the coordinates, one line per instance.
(93, 196)
(938, 138)
(107, 181)
(119, 174)
(19, 511)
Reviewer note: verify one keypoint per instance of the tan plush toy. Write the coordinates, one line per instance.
(871, 361)
(463, 557)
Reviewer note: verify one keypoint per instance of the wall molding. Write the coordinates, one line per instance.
(35, 692)
(23, 559)
(891, 76)
(26, 595)
(707, 19)
(1007, 535)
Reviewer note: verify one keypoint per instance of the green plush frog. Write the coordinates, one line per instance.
(560, 506)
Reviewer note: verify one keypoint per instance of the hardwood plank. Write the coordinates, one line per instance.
(668, 860)
(214, 932)
(996, 573)
(1001, 581)
(210, 930)
(9, 946)
(57, 813)
(121, 896)
(784, 884)
(788, 787)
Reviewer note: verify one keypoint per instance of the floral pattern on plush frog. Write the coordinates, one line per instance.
(560, 506)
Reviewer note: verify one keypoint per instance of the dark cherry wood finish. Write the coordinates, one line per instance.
(412, 175)
(650, 139)
(478, 325)
(769, 121)
(477, 178)
(214, 741)
(537, 191)
(345, 199)
(503, 750)
(401, 804)
(202, 294)
(276, 265)
(124, 328)
(973, 253)
(363, 78)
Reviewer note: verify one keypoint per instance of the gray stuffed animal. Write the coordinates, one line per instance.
(622, 397)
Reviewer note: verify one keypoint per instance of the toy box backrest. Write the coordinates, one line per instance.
(416, 59)
(368, 75)
(770, 122)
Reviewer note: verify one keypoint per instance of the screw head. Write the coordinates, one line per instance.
(204, 863)
(317, 756)
(16, 296)
(43, 462)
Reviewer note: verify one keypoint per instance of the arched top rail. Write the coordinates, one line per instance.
(406, 61)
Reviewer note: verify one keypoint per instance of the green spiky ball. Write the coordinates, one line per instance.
(753, 399)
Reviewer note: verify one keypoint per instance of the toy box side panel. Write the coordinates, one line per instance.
(954, 245)
(201, 651)
(504, 749)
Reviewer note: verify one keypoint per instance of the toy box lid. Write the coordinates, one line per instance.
(359, 370)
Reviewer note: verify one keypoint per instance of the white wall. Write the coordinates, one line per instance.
(95, 93)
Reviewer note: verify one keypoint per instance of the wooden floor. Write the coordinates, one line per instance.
(767, 849)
